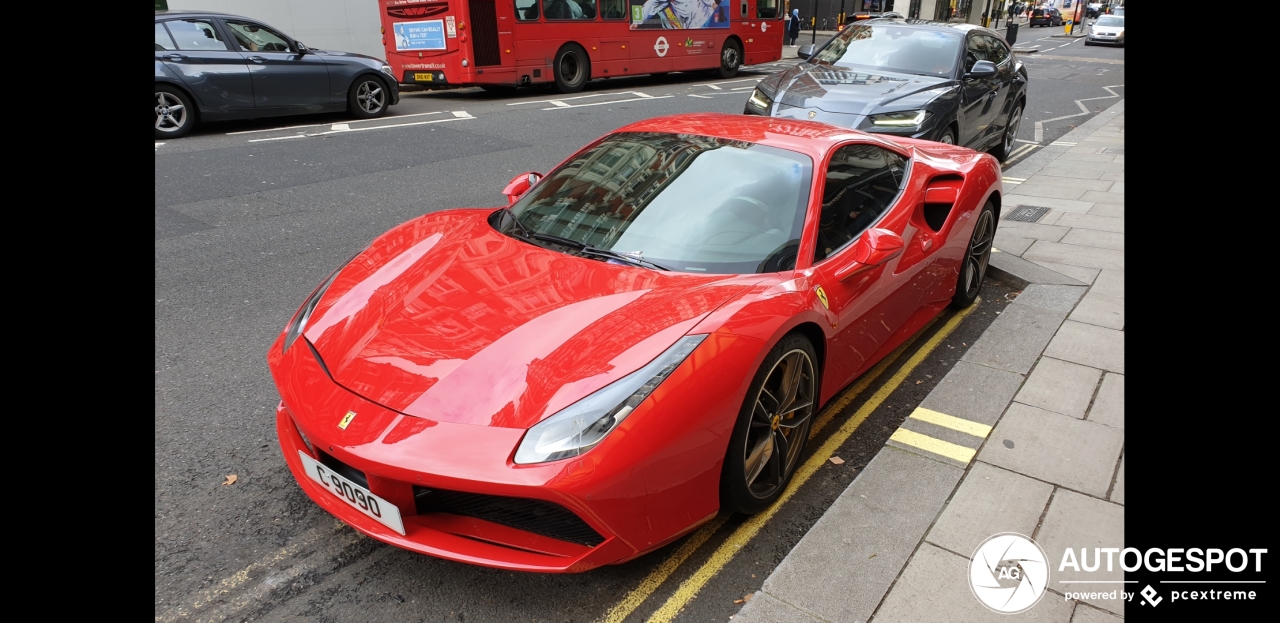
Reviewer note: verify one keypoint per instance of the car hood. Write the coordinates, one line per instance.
(1107, 30)
(853, 91)
(447, 319)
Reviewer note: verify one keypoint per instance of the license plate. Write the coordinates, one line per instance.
(358, 497)
(424, 77)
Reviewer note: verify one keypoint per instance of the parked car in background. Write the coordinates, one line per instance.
(1108, 29)
(213, 66)
(1045, 17)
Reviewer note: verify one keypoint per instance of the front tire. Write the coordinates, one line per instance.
(976, 257)
(948, 136)
(1002, 151)
(572, 69)
(175, 116)
(773, 426)
(730, 59)
(367, 98)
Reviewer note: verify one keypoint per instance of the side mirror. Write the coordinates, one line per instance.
(806, 51)
(302, 49)
(520, 185)
(873, 248)
(982, 69)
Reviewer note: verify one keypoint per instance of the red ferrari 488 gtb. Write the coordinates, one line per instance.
(638, 341)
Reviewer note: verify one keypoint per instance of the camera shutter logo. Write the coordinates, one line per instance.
(1009, 573)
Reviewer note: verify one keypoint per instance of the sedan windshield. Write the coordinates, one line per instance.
(891, 47)
(1110, 20)
(680, 201)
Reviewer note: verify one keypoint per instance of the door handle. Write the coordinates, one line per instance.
(257, 59)
(176, 57)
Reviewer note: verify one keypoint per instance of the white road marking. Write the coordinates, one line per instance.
(705, 97)
(1084, 110)
(458, 115)
(1063, 143)
(562, 100)
(714, 87)
(339, 127)
(313, 125)
(1025, 141)
(158, 145)
(634, 99)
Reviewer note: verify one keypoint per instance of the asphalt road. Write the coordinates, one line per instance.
(250, 216)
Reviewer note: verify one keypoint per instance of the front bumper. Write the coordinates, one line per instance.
(1092, 38)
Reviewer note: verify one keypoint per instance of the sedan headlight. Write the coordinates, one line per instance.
(386, 69)
(584, 424)
(760, 101)
(905, 119)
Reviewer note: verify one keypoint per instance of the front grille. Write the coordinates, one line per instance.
(537, 516)
(484, 33)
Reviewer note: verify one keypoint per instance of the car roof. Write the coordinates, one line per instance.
(192, 13)
(808, 137)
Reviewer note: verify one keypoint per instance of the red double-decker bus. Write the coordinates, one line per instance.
(499, 44)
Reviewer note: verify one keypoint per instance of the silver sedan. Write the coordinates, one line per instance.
(1108, 29)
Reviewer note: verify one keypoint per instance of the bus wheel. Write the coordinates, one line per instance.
(730, 58)
(572, 68)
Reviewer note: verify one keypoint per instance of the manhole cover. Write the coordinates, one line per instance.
(1027, 214)
(1114, 151)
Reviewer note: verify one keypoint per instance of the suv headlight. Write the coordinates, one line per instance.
(584, 424)
(760, 101)
(905, 119)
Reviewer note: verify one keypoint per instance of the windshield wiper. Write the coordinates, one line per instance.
(524, 231)
(625, 257)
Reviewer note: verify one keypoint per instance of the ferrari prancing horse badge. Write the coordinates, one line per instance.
(822, 297)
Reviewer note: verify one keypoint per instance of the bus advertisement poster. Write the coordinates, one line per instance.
(428, 35)
(679, 14)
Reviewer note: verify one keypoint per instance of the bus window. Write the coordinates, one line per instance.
(613, 9)
(766, 9)
(527, 10)
(571, 9)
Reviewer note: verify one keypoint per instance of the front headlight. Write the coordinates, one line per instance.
(584, 424)
(905, 119)
(760, 101)
(299, 322)
(386, 69)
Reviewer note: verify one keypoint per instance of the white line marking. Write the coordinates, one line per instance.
(742, 88)
(313, 125)
(1026, 141)
(565, 99)
(459, 115)
(634, 99)
(279, 138)
(1084, 110)
(714, 87)
(462, 114)
(705, 97)
(339, 127)
(158, 145)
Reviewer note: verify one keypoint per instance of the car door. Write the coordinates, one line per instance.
(998, 53)
(861, 201)
(216, 75)
(976, 95)
(282, 78)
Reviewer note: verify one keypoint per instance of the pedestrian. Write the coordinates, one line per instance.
(794, 33)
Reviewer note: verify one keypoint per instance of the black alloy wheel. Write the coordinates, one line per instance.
(974, 267)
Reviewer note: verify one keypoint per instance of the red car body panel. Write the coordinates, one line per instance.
(450, 339)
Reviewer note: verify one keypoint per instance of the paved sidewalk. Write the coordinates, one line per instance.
(1025, 434)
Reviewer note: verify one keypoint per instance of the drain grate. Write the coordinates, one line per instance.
(1027, 214)
(1114, 151)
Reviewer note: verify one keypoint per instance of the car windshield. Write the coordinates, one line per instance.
(683, 202)
(893, 47)
(1109, 20)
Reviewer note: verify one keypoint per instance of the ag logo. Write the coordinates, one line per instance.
(1008, 573)
(346, 420)
(822, 297)
(660, 46)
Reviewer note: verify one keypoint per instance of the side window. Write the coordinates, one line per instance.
(196, 35)
(526, 10)
(163, 40)
(766, 9)
(996, 50)
(256, 38)
(862, 182)
(613, 9)
(976, 50)
(570, 9)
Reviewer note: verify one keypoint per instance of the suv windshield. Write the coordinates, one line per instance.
(681, 201)
(892, 47)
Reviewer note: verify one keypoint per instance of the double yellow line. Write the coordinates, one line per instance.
(745, 532)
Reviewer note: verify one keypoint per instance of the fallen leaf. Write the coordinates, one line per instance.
(753, 575)
(837, 460)
(872, 556)
(231, 479)
(748, 597)
(919, 382)
(738, 601)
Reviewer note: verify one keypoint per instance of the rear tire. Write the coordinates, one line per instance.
(769, 437)
(572, 68)
(174, 115)
(730, 59)
(977, 255)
